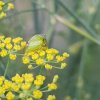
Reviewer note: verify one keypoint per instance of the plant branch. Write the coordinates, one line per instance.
(5, 72)
(75, 16)
(76, 29)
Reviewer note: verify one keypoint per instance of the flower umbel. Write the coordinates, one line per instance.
(48, 59)
(28, 86)
(11, 46)
(25, 86)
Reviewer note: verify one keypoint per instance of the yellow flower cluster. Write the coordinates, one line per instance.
(4, 7)
(26, 87)
(9, 46)
(46, 58)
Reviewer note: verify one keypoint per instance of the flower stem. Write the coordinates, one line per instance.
(82, 32)
(80, 82)
(44, 88)
(35, 67)
(5, 72)
(56, 67)
(40, 70)
(46, 91)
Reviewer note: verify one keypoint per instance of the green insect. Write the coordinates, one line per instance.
(37, 42)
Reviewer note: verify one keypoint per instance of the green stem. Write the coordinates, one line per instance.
(76, 29)
(22, 12)
(40, 69)
(80, 82)
(36, 19)
(75, 16)
(3, 67)
(95, 14)
(5, 72)
(46, 91)
(51, 31)
(56, 67)
(44, 88)
(19, 54)
(35, 67)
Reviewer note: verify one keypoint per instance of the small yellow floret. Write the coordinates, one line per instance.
(10, 96)
(55, 79)
(63, 65)
(2, 45)
(65, 54)
(40, 77)
(2, 15)
(17, 40)
(7, 40)
(28, 77)
(1, 8)
(39, 80)
(35, 56)
(60, 58)
(26, 86)
(39, 61)
(2, 90)
(3, 53)
(9, 46)
(37, 94)
(17, 47)
(1, 79)
(52, 86)
(42, 53)
(17, 78)
(26, 60)
(50, 57)
(12, 56)
(7, 84)
(30, 66)
(51, 97)
(52, 51)
(30, 98)
(48, 67)
(15, 87)
(10, 6)
(23, 44)
(2, 3)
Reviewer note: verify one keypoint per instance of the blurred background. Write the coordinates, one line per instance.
(69, 25)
